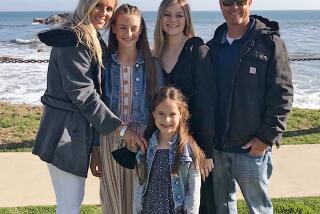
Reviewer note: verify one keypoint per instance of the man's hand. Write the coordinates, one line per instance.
(207, 168)
(95, 163)
(258, 148)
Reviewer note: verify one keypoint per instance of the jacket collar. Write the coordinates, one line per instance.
(242, 38)
(59, 37)
(154, 140)
(139, 59)
(260, 26)
(64, 36)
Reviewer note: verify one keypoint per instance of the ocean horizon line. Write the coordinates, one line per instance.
(22, 11)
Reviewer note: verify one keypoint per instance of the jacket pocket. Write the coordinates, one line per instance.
(50, 132)
(75, 129)
(69, 129)
(184, 170)
(72, 152)
(252, 72)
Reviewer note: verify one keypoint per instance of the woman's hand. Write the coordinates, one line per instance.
(207, 168)
(95, 163)
(135, 140)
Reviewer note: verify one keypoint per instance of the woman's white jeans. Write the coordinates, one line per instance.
(69, 190)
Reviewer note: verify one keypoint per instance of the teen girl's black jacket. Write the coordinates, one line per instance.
(193, 76)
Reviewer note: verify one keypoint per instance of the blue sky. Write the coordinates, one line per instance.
(151, 5)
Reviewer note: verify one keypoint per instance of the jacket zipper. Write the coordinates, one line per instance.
(247, 47)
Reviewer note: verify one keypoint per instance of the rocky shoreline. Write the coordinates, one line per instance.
(52, 20)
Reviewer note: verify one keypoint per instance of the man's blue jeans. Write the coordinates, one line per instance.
(252, 175)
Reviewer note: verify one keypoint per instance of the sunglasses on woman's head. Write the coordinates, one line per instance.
(230, 2)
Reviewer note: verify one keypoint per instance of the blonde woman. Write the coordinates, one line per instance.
(186, 66)
(73, 110)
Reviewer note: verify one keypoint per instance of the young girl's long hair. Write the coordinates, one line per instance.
(184, 136)
(159, 36)
(142, 46)
(80, 22)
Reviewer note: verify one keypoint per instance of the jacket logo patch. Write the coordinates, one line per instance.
(253, 70)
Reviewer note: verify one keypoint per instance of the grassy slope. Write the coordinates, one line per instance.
(281, 206)
(18, 126)
(303, 127)
(19, 123)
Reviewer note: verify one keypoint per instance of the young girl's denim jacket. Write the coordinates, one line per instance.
(185, 185)
(140, 100)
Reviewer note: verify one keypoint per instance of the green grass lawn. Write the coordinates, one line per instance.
(18, 126)
(86, 209)
(309, 205)
(19, 123)
(303, 127)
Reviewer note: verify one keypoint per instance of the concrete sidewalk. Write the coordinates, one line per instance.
(24, 178)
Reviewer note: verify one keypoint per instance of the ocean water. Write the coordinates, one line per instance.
(25, 83)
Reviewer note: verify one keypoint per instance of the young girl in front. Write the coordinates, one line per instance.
(130, 81)
(169, 173)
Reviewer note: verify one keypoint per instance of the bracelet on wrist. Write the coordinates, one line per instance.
(118, 129)
(122, 131)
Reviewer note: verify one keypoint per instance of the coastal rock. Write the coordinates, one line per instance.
(52, 20)
(8, 59)
(38, 20)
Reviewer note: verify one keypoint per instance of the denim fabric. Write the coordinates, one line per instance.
(251, 173)
(112, 90)
(185, 185)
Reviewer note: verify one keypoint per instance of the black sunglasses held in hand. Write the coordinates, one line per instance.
(230, 2)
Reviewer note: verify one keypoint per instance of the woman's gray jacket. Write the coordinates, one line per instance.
(73, 110)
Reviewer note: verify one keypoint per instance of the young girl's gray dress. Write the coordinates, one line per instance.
(158, 198)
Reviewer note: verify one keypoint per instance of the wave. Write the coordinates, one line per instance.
(25, 41)
(304, 55)
(13, 25)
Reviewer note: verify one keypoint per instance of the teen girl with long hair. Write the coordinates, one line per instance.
(186, 65)
(131, 79)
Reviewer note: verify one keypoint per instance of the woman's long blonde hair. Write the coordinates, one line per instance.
(80, 22)
(159, 36)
